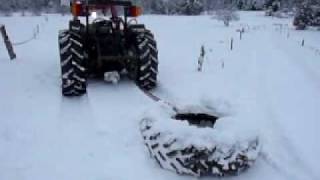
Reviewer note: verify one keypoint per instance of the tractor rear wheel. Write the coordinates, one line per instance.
(73, 70)
(147, 53)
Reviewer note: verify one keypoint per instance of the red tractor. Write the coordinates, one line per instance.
(92, 47)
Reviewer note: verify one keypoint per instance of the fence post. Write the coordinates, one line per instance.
(38, 29)
(231, 46)
(201, 58)
(7, 42)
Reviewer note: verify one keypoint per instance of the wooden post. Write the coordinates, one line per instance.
(241, 31)
(38, 29)
(201, 58)
(302, 43)
(7, 42)
(231, 46)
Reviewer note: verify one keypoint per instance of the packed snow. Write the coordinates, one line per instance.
(270, 79)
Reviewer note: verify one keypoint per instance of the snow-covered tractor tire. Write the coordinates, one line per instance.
(73, 70)
(183, 155)
(147, 54)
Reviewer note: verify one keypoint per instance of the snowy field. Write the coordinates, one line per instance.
(268, 77)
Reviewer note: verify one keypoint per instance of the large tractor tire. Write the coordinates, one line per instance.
(147, 54)
(73, 70)
(181, 144)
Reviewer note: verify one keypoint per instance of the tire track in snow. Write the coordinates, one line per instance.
(74, 108)
(311, 73)
(313, 78)
(267, 112)
(287, 149)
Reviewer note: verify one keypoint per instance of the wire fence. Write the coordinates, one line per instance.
(36, 33)
(285, 30)
(10, 44)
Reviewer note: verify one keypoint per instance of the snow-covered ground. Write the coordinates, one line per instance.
(268, 77)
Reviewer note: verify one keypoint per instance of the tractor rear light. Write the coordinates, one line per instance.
(134, 11)
(77, 9)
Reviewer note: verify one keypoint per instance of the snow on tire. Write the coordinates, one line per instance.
(73, 73)
(207, 146)
(148, 61)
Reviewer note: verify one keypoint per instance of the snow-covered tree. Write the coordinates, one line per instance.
(163, 7)
(227, 15)
(190, 7)
(183, 7)
(249, 4)
(273, 5)
(308, 14)
(63, 10)
(6, 7)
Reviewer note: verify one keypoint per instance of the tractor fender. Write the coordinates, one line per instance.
(137, 28)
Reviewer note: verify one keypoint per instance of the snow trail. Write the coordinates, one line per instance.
(278, 69)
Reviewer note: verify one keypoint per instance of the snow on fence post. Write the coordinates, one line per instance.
(7, 42)
(201, 58)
